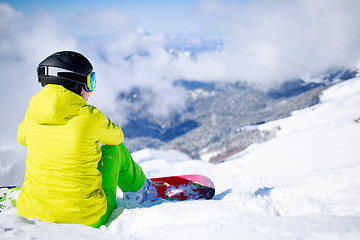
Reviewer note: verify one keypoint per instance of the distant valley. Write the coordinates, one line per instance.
(221, 119)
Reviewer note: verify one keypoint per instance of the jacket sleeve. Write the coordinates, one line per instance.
(21, 133)
(107, 131)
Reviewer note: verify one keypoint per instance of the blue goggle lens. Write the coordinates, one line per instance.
(91, 82)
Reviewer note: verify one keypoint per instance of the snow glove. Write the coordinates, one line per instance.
(139, 196)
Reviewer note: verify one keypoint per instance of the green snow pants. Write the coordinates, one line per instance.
(117, 169)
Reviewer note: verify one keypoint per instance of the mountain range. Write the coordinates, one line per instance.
(221, 119)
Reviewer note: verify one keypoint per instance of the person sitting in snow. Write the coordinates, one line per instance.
(69, 178)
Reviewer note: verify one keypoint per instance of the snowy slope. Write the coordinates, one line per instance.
(311, 171)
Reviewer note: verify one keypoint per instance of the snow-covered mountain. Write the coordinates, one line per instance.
(219, 118)
(302, 184)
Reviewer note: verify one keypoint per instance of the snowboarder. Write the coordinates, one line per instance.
(69, 178)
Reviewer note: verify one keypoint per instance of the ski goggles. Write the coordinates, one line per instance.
(89, 80)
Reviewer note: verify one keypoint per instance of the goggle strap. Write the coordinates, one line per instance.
(53, 71)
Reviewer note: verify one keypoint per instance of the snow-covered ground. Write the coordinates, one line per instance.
(308, 176)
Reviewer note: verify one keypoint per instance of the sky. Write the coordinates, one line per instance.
(154, 16)
(260, 42)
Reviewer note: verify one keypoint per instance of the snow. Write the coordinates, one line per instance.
(303, 184)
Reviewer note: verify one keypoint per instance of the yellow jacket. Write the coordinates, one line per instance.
(62, 134)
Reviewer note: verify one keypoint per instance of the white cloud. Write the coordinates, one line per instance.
(137, 59)
(267, 41)
(24, 42)
(101, 22)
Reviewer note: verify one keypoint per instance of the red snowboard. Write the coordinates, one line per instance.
(183, 187)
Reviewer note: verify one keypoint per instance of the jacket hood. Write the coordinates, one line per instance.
(54, 104)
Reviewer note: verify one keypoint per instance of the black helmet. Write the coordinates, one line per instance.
(69, 69)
